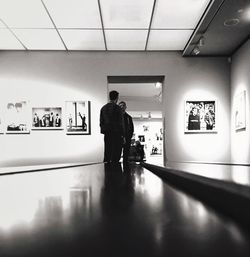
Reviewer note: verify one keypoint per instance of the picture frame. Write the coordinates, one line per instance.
(47, 118)
(17, 117)
(200, 116)
(1, 122)
(240, 111)
(78, 120)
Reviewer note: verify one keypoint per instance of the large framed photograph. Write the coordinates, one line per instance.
(78, 117)
(1, 121)
(47, 118)
(240, 111)
(200, 116)
(17, 117)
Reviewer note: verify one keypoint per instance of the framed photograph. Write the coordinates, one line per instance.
(47, 118)
(1, 121)
(141, 138)
(240, 111)
(78, 117)
(17, 117)
(200, 116)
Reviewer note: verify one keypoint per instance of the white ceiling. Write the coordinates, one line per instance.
(119, 25)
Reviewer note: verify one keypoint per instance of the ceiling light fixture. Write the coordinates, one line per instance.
(201, 41)
(196, 50)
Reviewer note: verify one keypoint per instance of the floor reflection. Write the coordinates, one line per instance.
(104, 210)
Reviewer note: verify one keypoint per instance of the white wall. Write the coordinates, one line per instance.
(54, 77)
(240, 81)
(197, 78)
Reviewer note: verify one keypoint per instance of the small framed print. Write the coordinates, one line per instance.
(240, 111)
(200, 116)
(78, 118)
(47, 118)
(17, 117)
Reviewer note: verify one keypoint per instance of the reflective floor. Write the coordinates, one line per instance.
(104, 211)
(233, 173)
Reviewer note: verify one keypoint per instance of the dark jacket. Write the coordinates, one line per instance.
(111, 119)
(129, 126)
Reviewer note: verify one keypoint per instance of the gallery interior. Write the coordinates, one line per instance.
(182, 67)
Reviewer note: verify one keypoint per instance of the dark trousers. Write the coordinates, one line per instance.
(112, 147)
(126, 148)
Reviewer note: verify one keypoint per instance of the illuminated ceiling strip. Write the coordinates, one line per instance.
(103, 32)
(54, 24)
(150, 24)
(13, 33)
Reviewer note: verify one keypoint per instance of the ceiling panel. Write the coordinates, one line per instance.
(126, 39)
(126, 13)
(8, 41)
(24, 14)
(83, 39)
(168, 39)
(74, 13)
(178, 14)
(40, 39)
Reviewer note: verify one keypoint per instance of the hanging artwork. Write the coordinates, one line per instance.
(47, 118)
(200, 116)
(240, 111)
(78, 117)
(17, 118)
(1, 121)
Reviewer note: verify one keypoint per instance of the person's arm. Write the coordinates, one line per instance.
(131, 127)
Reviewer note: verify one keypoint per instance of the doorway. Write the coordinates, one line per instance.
(143, 97)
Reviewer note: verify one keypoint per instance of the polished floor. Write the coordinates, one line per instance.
(238, 174)
(104, 211)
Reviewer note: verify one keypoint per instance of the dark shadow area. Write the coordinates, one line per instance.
(214, 193)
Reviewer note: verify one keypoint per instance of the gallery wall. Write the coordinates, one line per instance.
(240, 82)
(51, 78)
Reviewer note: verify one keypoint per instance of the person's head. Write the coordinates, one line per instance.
(113, 96)
(18, 106)
(10, 106)
(123, 106)
(195, 111)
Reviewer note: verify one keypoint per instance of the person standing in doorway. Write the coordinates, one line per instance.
(129, 130)
(112, 126)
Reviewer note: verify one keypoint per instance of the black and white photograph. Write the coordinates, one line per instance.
(17, 117)
(141, 138)
(138, 113)
(200, 116)
(240, 111)
(78, 117)
(47, 118)
(1, 121)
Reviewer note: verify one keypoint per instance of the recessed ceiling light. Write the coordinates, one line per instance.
(231, 22)
(196, 50)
